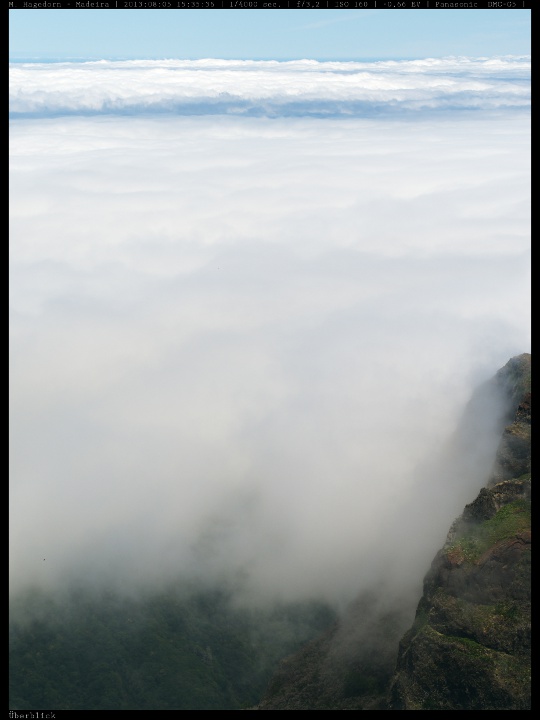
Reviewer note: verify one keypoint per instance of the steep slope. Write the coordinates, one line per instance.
(178, 648)
(469, 647)
(470, 642)
(348, 667)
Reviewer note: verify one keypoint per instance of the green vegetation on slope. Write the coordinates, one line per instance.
(510, 520)
(161, 652)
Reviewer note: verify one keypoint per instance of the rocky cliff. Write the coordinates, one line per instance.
(469, 645)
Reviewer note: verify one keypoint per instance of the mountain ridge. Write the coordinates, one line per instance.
(469, 645)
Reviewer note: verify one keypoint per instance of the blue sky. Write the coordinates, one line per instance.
(272, 34)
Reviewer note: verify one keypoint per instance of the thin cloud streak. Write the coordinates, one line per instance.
(269, 88)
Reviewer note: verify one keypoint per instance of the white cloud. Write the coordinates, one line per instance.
(268, 87)
(234, 340)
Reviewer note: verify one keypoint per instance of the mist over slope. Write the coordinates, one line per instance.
(240, 344)
(192, 645)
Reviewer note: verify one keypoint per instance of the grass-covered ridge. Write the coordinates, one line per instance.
(511, 519)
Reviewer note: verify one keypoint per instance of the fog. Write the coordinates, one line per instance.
(243, 334)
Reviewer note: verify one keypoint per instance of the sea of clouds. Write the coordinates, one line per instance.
(269, 88)
(249, 301)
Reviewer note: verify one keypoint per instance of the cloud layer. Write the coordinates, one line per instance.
(270, 88)
(235, 342)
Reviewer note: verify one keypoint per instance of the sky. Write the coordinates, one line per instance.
(249, 303)
(267, 34)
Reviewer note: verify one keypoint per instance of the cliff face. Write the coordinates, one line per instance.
(469, 646)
